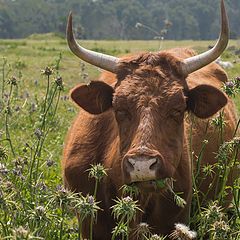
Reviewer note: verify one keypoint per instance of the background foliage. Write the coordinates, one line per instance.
(116, 19)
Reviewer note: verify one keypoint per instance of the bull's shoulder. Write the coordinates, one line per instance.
(216, 71)
(182, 52)
(212, 74)
(108, 77)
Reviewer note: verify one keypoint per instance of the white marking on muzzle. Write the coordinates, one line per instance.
(141, 169)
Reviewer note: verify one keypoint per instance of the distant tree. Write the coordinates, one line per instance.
(116, 19)
(6, 24)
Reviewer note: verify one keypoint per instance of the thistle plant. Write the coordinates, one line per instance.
(142, 231)
(49, 109)
(130, 190)
(39, 218)
(86, 207)
(182, 232)
(63, 199)
(57, 62)
(121, 230)
(231, 88)
(124, 211)
(18, 66)
(219, 230)
(48, 71)
(156, 237)
(214, 223)
(168, 182)
(180, 202)
(13, 83)
(97, 172)
(219, 123)
(227, 159)
(30, 201)
(208, 170)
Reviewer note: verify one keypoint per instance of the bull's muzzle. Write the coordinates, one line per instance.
(138, 168)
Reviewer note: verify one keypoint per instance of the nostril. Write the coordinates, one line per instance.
(155, 164)
(129, 164)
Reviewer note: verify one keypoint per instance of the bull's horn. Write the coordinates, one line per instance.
(196, 62)
(103, 61)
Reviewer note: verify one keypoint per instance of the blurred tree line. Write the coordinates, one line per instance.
(118, 19)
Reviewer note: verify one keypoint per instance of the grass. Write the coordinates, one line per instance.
(35, 115)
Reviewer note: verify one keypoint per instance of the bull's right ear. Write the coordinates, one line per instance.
(205, 100)
(94, 98)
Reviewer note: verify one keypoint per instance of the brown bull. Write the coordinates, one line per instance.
(136, 123)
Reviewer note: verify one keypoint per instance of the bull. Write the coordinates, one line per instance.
(136, 122)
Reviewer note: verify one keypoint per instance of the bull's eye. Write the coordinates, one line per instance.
(122, 115)
(177, 115)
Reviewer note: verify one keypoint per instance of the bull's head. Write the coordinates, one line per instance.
(149, 101)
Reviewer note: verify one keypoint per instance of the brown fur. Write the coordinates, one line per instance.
(147, 114)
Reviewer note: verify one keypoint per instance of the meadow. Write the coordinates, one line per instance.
(36, 75)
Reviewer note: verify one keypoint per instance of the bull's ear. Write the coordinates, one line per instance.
(94, 98)
(205, 100)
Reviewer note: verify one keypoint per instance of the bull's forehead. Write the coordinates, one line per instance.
(149, 91)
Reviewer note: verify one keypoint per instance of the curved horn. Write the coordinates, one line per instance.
(196, 62)
(103, 61)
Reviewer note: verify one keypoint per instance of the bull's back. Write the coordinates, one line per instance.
(200, 130)
(207, 136)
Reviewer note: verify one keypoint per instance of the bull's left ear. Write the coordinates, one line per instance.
(95, 97)
(205, 100)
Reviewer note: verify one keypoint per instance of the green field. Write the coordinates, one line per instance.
(30, 171)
